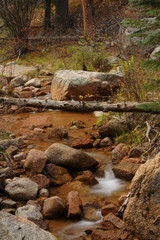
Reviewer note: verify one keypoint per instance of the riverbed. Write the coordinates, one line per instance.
(109, 188)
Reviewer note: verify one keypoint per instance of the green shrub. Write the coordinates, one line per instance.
(135, 137)
(153, 106)
(102, 119)
(90, 55)
(32, 74)
(135, 78)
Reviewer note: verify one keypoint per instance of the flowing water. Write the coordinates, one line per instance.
(109, 187)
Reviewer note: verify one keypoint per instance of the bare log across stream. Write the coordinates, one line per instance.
(76, 106)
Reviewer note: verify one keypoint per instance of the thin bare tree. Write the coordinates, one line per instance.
(17, 16)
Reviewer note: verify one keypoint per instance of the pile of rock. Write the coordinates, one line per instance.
(20, 83)
(26, 194)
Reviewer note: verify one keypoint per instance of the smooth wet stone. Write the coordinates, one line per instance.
(53, 207)
(125, 170)
(22, 189)
(29, 211)
(65, 156)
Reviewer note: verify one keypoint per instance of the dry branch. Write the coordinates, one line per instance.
(75, 106)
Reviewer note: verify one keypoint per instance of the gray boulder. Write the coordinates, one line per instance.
(33, 82)
(18, 81)
(29, 211)
(15, 70)
(12, 227)
(68, 84)
(22, 189)
(6, 143)
(65, 156)
(142, 215)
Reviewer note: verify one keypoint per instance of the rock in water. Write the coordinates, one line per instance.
(65, 156)
(22, 189)
(35, 161)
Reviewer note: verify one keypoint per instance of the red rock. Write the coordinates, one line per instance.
(125, 170)
(27, 94)
(35, 161)
(108, 207)
(58, 133)
(41, 180)
(116, 222)
(103, 234)
(41, 93)
(87, 177)
(28, 88)
(74, 205)
(58, 175)
(132, 160)
(82, 143)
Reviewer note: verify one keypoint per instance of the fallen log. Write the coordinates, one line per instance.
(76, 106)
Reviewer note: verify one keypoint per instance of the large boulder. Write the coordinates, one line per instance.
(65, 156)
(22, 189)
(68, 84)
(35, 161)
(142, 215)
(12, 227)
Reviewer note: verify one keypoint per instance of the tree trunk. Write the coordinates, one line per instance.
(88, 18)
(61, 18)
(47, 14)
(75, 106)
